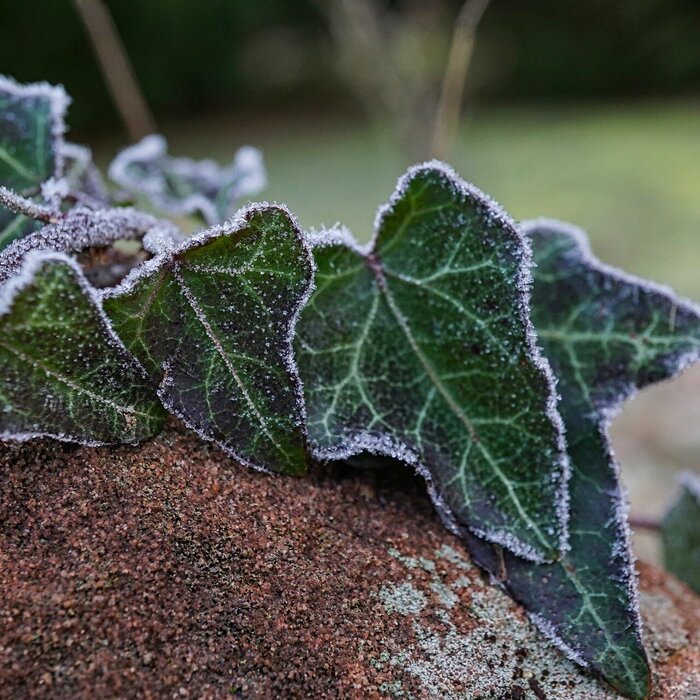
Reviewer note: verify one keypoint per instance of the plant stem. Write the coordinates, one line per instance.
(21, 205)
(116, 68)
(456, 69)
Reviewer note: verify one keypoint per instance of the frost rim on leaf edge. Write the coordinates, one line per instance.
(238, 221)
(341, 235)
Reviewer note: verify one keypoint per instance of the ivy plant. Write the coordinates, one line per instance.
(433, 344)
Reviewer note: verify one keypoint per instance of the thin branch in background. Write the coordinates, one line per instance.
(642, 523)
(116, 68)
(456, 69)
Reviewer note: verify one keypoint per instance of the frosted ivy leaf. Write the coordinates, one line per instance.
(212, 322)
(183, 187)
(82, 177)
(81, 228)
(63, 371)
(31, 138)
(420, 347)
(606, 334)
(680, 531)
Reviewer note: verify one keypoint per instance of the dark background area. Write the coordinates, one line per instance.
(195, 56)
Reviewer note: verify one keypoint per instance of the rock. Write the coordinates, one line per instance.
(169, 571)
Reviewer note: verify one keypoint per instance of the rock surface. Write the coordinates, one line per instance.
(168, 571)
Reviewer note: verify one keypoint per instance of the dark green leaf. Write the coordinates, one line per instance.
(212, 322)
(31, 135)
(63, 372)
(31, 131)
(680, 531)
(182, 187)
(605, 334)
(420, 348)
(14, 226)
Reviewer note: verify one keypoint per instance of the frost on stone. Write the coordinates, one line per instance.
(81, 228)
(63, 372)
(184, 187)
(31, 140)
(680, 532)
(606, 334)
(419, 347)
(212, 321)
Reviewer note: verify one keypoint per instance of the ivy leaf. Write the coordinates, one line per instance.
(63, 372)
(419, 347)
(606, 334)
(183, 187)
(212, 322)
(82, 176)
(680, 532)
(31, 135)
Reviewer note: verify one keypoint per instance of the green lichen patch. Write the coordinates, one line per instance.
(469, 640)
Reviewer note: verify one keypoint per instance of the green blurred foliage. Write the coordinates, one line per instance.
(193, 55)
(595, 48)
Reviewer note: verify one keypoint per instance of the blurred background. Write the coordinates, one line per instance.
(584, 111)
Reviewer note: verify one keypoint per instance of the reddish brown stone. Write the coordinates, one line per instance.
(168, 571)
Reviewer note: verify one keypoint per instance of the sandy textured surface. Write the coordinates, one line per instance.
(168, 571)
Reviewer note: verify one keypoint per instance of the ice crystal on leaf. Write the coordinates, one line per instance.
(184, 187)
(82, 177)
(419, 347)
(81, 228)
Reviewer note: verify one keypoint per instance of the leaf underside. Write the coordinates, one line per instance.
(63, 373)
(31, 127)
(183, 187)
(605, 335)
(212, 323)
(420, 349)
(680, 532)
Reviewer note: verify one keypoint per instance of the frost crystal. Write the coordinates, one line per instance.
(82, 177)
(63, 372)
(82, 228)
(14, 95)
